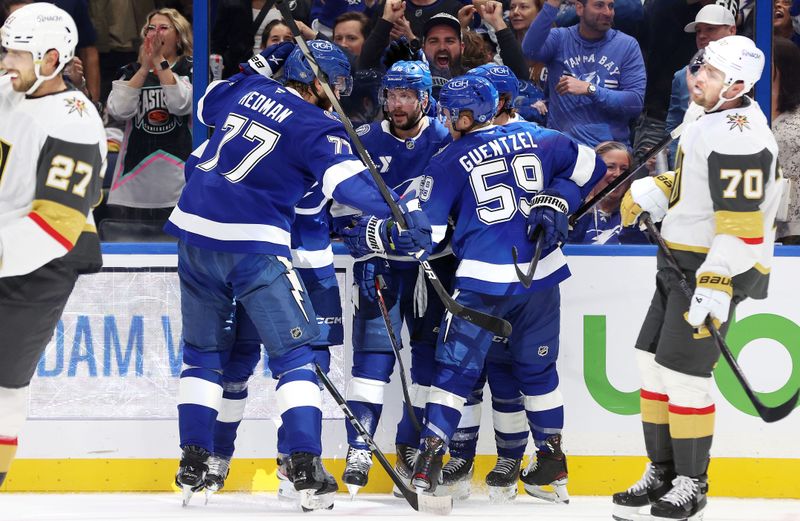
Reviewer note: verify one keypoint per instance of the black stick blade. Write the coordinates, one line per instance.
(773, 414)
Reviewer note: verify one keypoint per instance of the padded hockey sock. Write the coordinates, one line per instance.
(655, 424)
(465, 440)
(365, 398)
(508, 411)
(545, 416)
(446, 399)
(692, 431)
(231, 412)
(199, 399)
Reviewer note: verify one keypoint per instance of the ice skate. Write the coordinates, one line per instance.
(428, 465)
(685, 501)
(356, 473)
(287, 494)
(654, 483)
(218, 468)
(547, 468)
(191, 474)
(456, 478)
(502, 480)
(406, 455)
(316, 487)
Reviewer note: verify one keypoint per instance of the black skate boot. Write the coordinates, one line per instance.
(356, 473)
(654, 483)
(502, 480)
(456, 478)
(547, 468)
(685, 501)
(428, 466)
(218, 468)
(406, 455)
(287, 494)
(316, 486)
(192, 471)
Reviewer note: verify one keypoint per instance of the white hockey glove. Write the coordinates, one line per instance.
(651, 195)
(712, 296)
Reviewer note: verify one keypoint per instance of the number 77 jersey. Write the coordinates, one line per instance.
(485, 181)
(726, 194)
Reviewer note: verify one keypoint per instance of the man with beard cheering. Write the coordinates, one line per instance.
(442, 45)
(401, 146)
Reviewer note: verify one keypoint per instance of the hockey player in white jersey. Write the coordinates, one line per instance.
(718, 214)
(52, 156)
(499, 184)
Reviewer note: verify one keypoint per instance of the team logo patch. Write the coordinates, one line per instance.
(425, 188)
(331, 115)
(738, 121)
(296, 332)
(362, 130)
(75, 104)
(5, 150)
(410, 144)
(543, 350)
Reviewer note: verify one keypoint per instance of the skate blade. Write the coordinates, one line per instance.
(353, 490)
(623, 513)
(310, 501)
(502, 495)
(439, 505)
(558, 495)
(697, 517)
(187, 493)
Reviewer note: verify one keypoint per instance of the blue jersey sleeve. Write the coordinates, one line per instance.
(439, 194)
(541, 42)
(575, 169)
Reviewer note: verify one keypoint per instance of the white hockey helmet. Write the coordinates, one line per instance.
(738, 58)
(38, 28)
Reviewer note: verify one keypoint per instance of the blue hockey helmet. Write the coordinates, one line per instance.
(329, 58)
(414, 75)
(472, 93)
(503, 79)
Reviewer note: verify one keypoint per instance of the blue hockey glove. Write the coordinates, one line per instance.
(550, 213)
(364, 274)
(269, 61)
(369, 235)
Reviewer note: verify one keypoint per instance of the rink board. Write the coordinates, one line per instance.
(103, 401)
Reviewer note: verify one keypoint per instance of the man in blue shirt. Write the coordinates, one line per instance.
(596, 75)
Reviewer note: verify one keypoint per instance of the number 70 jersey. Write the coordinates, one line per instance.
(485, 181)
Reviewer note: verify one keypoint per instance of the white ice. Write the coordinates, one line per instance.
(367, 507)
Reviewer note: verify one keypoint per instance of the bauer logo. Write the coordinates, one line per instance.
(425, 188)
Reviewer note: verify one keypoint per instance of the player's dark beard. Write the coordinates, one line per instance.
(410, 123)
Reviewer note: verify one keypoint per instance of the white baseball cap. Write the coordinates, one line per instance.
(712, 14)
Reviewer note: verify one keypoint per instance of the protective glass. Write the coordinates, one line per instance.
(343, 84)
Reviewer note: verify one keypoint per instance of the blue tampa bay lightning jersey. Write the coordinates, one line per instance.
(269, 149)
(485, 181)
(312, 253)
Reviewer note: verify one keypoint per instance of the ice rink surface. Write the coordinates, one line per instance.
(367, 507)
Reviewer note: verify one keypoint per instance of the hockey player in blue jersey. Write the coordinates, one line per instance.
(233, 221)
(401, 146)
(500, 184)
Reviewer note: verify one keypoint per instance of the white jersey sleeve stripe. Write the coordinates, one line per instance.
(505, 273)
(311, 211)
(584, 165)
(339, 173)
(229, 231)
(312, 258)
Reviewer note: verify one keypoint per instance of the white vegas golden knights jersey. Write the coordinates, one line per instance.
(52, 155)
(727, 189)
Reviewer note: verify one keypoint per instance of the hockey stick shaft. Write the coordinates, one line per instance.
(527, 278)
(436, 505)
(768, 414)
(613, 185)
(380, 283)
(494, 324)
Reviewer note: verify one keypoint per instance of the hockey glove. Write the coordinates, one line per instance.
(550, 213)
(269, 61)
(364, 274)
(651, 195)
(403, 50)
(369, 234)
(712, 296)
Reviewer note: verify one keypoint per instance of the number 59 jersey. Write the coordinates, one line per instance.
(726, 194)
(52, 158)
(485, 181)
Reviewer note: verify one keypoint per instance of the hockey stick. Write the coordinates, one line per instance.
(527, 278)
(613, 185)
(380, 284)
(441, 505)
(494, 324)
(768, 414)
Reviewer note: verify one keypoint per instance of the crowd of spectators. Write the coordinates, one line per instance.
(612, 74)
